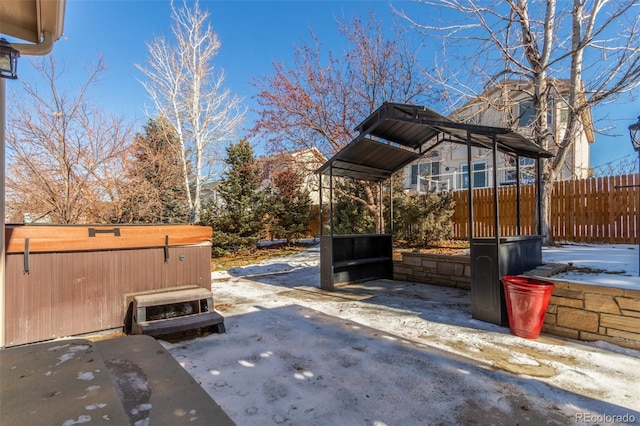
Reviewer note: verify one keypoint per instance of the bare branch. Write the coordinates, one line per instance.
(63, 153)
(182, 82)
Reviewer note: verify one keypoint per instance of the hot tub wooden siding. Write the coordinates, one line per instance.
(76, 284)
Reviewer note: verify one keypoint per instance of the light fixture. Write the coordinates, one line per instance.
(634, 132)
(8, 60)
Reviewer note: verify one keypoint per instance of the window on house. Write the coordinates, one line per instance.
(479, 172)
(425, 170)
(414, 174)
(563, 113)
(526, 114)
(526, 170)
(526, 162)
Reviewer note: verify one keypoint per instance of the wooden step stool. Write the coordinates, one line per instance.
(175, 311)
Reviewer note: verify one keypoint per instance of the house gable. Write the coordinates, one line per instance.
(505, 105)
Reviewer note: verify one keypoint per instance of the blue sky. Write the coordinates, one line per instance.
(254, 34)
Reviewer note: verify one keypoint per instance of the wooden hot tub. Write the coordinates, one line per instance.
(64, 280)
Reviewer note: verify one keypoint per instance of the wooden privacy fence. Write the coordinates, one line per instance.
(588, 210)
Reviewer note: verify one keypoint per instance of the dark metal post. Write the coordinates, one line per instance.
(320, 206)
(381, 212)
(470, 186)
(518, 230)
(331, 200)
(634, 134)
(496, 204)
(391, 206)
(636, 185)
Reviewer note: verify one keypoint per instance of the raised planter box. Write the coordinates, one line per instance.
(576, 310)
(439, 269)
(591, 312)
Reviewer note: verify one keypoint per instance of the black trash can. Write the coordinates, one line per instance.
(492, 259)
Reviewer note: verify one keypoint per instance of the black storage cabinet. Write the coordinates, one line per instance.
(492, 259)
(352, 258)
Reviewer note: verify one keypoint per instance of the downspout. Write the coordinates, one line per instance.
(39, 49)
(2, 212)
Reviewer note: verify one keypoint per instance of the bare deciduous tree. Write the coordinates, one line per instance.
(185, 88)
(65, 157)
(320, 100)
(594, 46)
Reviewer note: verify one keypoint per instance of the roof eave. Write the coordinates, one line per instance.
(35, 24)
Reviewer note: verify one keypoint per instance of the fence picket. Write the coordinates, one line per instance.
(589, 210)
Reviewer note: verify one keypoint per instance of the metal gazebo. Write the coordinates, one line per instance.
(390, 138)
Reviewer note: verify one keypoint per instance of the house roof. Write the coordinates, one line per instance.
(302, 154)
(561, 86)
(407, 128)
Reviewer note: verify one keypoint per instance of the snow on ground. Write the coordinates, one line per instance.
(617, 263)
(397, 353)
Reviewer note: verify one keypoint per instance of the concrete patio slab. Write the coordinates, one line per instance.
(126, 380)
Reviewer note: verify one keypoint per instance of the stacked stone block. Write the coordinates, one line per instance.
(438, 269)
(590, 312)
(578, 311)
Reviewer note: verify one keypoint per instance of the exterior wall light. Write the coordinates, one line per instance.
(634, 133)
(8, 60)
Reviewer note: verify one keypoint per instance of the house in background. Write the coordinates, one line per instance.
(507, 105)
(306, 160)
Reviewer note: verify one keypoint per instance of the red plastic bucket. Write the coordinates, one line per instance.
(527, 301)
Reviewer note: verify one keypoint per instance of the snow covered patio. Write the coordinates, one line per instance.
(392, 352)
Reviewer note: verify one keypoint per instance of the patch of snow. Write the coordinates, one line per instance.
(57, 348)
(392, 352)
(94, 406)
(71, 352)
(81, 419)
(86, 375)
(617, 263)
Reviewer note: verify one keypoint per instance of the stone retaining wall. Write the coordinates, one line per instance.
(438, 269)
(589, 312)
(578, 311)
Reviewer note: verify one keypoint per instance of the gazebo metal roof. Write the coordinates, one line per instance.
(367, 159)
(406, 129)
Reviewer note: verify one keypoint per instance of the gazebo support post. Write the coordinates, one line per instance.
(331, 201)
(470, 187)
(518, 229)
(320, 224)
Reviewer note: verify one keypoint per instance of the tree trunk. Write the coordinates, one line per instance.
(546, 188)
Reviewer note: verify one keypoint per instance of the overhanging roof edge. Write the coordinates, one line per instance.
(407, 116)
